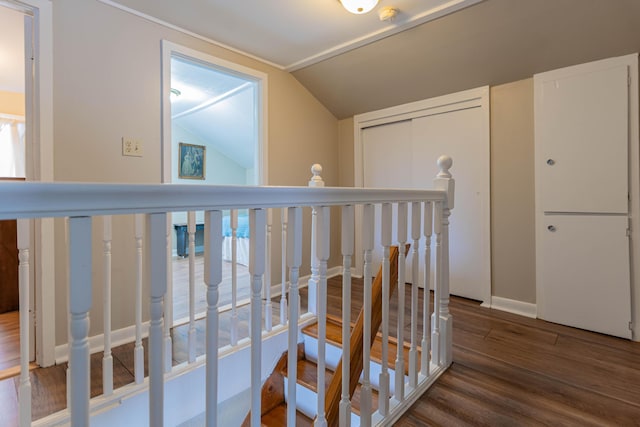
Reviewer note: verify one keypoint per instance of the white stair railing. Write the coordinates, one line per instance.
(257, 225)
(385, 241)
(212, 278)
(24, 257)
(348, 219)
(107, 360)
(368, 221)
(294, 260)
(415, 284)
(426, 317)
(323, 247)
(156, 226)
(138, 349)
(283, 265)
(191, 337)
(81, 202)
(233, 223)
(268, 312)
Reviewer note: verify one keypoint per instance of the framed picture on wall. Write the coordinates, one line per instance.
(191, 161)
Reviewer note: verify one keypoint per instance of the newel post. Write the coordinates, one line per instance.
(444, 181)
(315, 181)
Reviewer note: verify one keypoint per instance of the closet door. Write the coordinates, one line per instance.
(582, 139)
(460, 134)
(585, 271)
(403, 154)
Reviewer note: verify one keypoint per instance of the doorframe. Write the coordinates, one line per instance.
(39, 165)
(261, 162)
(472, 98)
(168, 49)
(631, 61)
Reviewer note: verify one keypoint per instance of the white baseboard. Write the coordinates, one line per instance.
(96, 342)
(513, 306)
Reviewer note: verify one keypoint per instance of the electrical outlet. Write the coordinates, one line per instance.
(131, 147)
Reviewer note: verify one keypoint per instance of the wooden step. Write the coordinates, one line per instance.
(307, 376)
(277, 417)
(334, 337)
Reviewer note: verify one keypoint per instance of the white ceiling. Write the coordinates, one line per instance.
(215, 107)
(290, 34)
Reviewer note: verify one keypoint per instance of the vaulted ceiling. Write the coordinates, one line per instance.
(486, 43)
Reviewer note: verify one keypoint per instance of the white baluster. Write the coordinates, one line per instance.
(107, 359)
(267, 277)
(426, 314)
(415, 274)
(437, 288)
(79, 306)
(191, 337)
(233, 224)
(402, 241)
(445, 182)
(283, 284)
(138, 350)
(212, 278)
(347, 252)
(257, 224)
(368, 221)
(294, 260)
(323, 249)
(315, 181)
(24, 390)
(385, 240)
(156, 230)
(168, 305)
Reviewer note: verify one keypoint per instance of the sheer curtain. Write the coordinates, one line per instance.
(12, 147)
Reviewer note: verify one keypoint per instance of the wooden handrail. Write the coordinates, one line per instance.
(332, 400)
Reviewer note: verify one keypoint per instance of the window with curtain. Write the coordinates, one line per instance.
(12, 146)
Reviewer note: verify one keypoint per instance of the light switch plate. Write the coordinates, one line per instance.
(131, 147)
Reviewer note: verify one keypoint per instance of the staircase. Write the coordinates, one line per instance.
(274, 406)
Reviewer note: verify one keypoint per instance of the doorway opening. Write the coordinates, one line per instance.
(215, 112)
(12, 168)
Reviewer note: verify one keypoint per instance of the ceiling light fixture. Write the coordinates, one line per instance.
(359, 6)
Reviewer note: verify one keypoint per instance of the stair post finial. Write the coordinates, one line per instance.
(444, 164)
(316, 179)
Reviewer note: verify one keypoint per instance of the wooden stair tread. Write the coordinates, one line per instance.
(307, 374)
(278, 417)
(334, 336)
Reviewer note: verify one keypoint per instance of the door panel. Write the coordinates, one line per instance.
(585, 272)
(583, 142)
(403, 155)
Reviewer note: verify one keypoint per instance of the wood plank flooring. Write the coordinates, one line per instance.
(507, 371)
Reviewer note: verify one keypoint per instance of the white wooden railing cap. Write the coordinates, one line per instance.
(316, 179)
(444, 180)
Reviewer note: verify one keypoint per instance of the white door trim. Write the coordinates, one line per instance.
(169, 48)
(39, 166)
(472, 98)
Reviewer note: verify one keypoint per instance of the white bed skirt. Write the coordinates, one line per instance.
(242, 248)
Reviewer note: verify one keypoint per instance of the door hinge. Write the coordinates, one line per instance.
(631, 326)
(628, 232)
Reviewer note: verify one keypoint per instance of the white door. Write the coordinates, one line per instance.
(403, 154)
(582, 137)
(585, 271)
(459, 134)
(583, 140)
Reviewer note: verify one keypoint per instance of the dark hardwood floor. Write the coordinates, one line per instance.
(507, 371)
